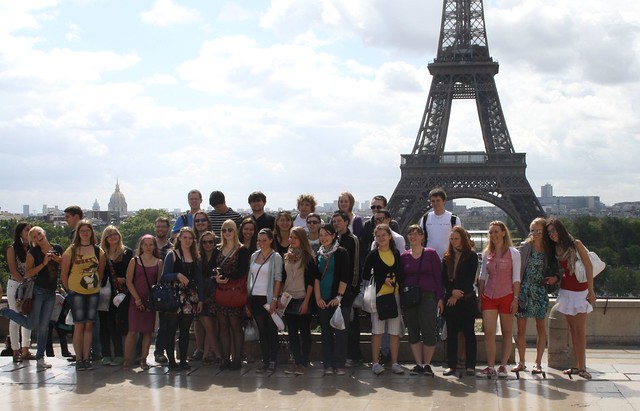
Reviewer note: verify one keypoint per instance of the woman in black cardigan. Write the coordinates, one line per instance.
(384, 263)
(459, 268)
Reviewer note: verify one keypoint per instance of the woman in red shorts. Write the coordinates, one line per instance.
(499, 287)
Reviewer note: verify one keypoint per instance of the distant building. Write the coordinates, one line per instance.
(547, 190)
(96, 206)
(25, 210)
(117, 203)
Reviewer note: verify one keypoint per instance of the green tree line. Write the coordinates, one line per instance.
(131, 229)
(615, 239)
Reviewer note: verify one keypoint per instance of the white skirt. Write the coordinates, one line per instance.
(573, 302)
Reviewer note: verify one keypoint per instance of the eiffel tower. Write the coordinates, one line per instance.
(463, 69)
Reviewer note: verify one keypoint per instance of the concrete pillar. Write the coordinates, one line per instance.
(560, 354)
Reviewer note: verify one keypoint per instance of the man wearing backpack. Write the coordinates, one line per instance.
(186, 220)
(438, 222)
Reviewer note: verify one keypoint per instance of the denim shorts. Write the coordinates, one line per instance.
(84, 307)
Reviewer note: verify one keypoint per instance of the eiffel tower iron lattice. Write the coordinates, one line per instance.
(463, 69)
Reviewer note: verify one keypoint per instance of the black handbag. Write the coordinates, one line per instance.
(163, 297)
(409, 296)
(386, 305)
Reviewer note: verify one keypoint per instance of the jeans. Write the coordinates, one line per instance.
(43, 301)
(14, 328)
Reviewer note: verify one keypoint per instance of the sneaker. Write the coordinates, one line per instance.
(377, 369)
(41, 365)
(262, 368)
(340, 371)
(449, 371)
(184, 366)
(300, 369)
(271, 367)
(502, 372)
(117, 361)
(427, 370)
(417, 370)
(487, 373)
(161, 359)
(291, 370)
(328, 371)
(350, 363)
(470, 372)
(397, 369)
(87, 365)
(106, 361)
(196, 356)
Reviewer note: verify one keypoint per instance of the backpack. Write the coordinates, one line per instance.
(185, 222)
(454, 219)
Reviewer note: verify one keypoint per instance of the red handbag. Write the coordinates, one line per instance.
(233, 294)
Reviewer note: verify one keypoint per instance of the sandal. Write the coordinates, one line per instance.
(584, 374)
(570, 371)
(537, 369)
(17, 356)
(519, 367)
(144, 365)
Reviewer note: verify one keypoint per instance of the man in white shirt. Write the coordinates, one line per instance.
(438, 222)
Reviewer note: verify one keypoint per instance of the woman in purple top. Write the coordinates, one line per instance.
(421, 267)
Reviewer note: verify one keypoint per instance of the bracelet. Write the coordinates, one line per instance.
(339, 298)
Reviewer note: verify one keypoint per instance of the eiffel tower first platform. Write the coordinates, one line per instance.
(463, 69)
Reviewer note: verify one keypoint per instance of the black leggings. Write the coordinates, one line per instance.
(174, 322)
(267, 328)
(231, 337)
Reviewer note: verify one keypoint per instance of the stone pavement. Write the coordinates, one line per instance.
(615, 386)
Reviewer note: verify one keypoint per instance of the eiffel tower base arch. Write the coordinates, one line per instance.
(498, 179)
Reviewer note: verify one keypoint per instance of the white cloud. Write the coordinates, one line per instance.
(166, 13)
(160, 80)
(235, 12)
(73, 34)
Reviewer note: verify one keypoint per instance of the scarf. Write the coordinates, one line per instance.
(569, 255)
(324, 253)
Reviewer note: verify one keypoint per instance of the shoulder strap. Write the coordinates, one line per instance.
(424, 225)
(185, 221)
(454, 220)
(96, 250)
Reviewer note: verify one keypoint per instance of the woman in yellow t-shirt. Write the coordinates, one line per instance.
(82, 264)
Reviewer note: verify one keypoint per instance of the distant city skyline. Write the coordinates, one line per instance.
(292, 97)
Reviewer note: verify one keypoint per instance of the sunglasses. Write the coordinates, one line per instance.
(535, 232)
(226, 230)
(380, 219)
(208, 242)
(201, 220)
(377, 207)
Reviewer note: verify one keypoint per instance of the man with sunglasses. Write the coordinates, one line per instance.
(378, 202)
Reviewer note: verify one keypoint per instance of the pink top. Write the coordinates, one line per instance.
(499, 272)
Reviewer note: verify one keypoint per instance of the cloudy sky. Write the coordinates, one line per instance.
(297, 96)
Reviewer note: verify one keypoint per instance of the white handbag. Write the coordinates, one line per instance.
(597, 264)
(369, 304)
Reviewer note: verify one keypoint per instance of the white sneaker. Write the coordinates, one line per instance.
(397, 369)
(41, 365)
(377, 369)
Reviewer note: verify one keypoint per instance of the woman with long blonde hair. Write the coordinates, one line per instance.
(114, 279)
(499, 288)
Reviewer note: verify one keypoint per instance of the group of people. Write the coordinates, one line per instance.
(229, 270)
